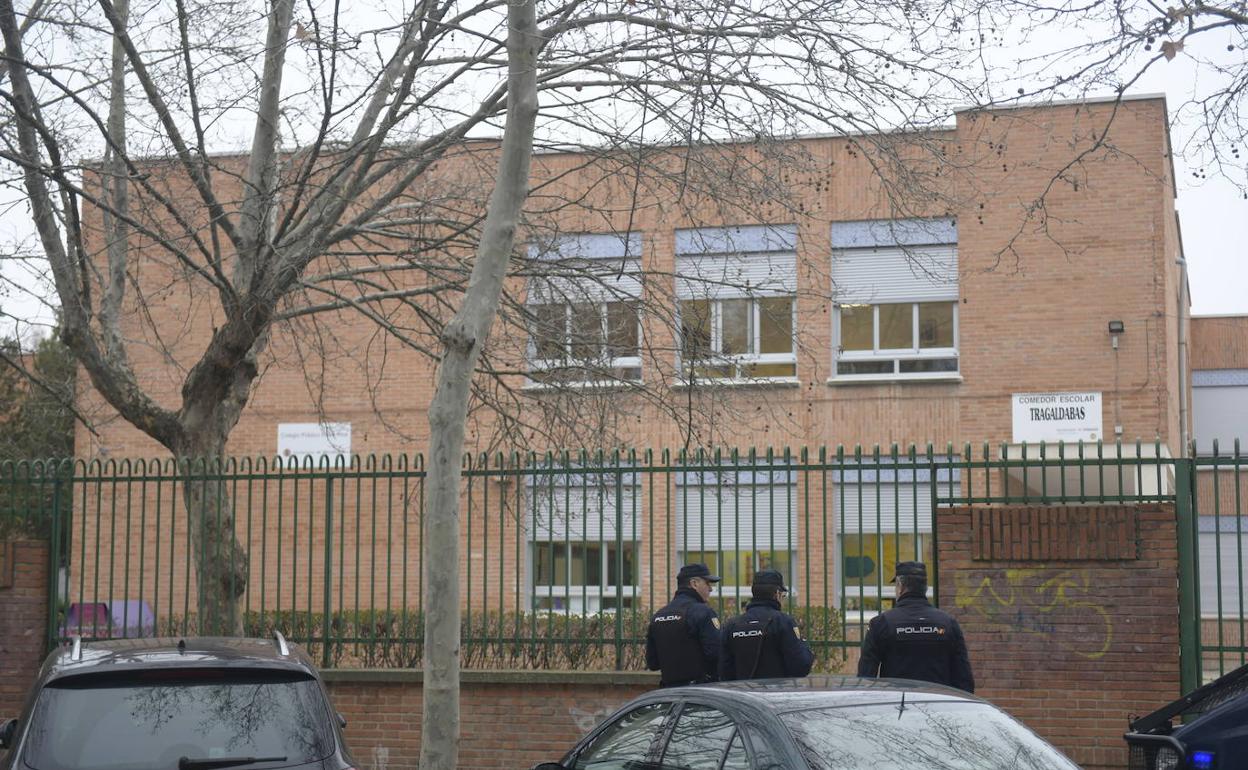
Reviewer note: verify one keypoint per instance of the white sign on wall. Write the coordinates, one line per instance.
(300, 440)
(1057, 417)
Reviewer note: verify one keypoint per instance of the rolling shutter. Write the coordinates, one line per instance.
(585, 268)
(719, 262)
(1223, 559)
(884, 508)
(575, 507)
(881, 274)
(742, 510)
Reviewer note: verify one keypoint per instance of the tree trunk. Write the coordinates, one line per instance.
(221, 562)
(462, 340)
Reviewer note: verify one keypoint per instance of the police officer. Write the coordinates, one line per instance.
(683, 638)
(764, 642)
(914, 640)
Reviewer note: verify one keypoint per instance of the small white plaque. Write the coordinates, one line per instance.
(299, 440)
(1057, 417)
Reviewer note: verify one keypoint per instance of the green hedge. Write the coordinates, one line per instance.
(493, 640)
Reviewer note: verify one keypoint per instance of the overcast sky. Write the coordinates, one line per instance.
(1214, 218)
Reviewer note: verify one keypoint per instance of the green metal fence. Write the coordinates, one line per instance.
(563, 555)
(1213, 538)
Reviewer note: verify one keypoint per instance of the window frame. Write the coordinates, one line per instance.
(657, 743)
(603, 362)
(702, 498)
(895, 356)
(715, 558)
(674, 716)
(736, 362)
(877, 485)
(1214, 557)
(885, 589)
(586, 592)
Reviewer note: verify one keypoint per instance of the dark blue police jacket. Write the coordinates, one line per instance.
(914, 640)
(683, 640)
(763, 643)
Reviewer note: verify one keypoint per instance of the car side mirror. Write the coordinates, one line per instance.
(7, 730)
(342, 721)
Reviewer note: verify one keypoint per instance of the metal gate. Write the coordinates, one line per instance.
(1213, 558)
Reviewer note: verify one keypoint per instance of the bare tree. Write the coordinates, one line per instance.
(364, 139)
(1114, 47)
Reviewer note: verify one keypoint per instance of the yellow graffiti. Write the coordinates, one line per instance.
(1043, 602)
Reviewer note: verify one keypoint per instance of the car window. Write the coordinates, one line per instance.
(700, 739)
(919, 736)
(625, 744)
(148, 720)
(737, 758)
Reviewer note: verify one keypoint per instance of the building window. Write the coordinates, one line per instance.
(737, 291)
(867, 561)
(1223, 549)
(584, 308)
(584, 542)
(883, 516)
(737, 521)
(738, 338)
(896, 289)
(897, 338)
(583, 341)
(583, 577)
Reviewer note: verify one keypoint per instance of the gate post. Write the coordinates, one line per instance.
(54, 564)
(1189, 599)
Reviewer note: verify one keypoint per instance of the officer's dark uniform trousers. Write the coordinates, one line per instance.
(683, 641)
(763, 643)
(914, 640)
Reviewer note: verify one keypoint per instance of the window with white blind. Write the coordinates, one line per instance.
(583, 540)
(1223, 549)
(737, 522)
(883, 516)
(584, 309)
(736, 289)
(896, 289)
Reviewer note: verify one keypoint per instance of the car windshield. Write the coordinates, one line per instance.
(919, 736)
(148, 720)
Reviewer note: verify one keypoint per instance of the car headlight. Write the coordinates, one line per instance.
(1167, 759)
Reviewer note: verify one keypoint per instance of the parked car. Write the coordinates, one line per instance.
(819, 723)
(1210, 734)
(184, 704)
(127, 618)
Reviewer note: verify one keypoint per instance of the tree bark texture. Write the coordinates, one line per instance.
(221, 562)
(462, 340)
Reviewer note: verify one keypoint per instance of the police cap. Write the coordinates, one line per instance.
(770, 578)
(915, 569)
(698, 571)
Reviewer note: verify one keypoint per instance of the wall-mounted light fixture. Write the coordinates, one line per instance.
(1115, 328)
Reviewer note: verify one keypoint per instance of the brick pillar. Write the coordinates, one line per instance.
(1070, 614)
(23, 619)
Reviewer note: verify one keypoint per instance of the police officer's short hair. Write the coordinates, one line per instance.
(912, 585)
(764, 592)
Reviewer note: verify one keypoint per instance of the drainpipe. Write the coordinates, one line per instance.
(1184, 390)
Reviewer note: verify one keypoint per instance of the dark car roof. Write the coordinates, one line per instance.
(779, 695)
(174, 652)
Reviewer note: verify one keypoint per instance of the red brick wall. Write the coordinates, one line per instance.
(508, 719)
(1106, 251)
(23, 619)
(1067, 644)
